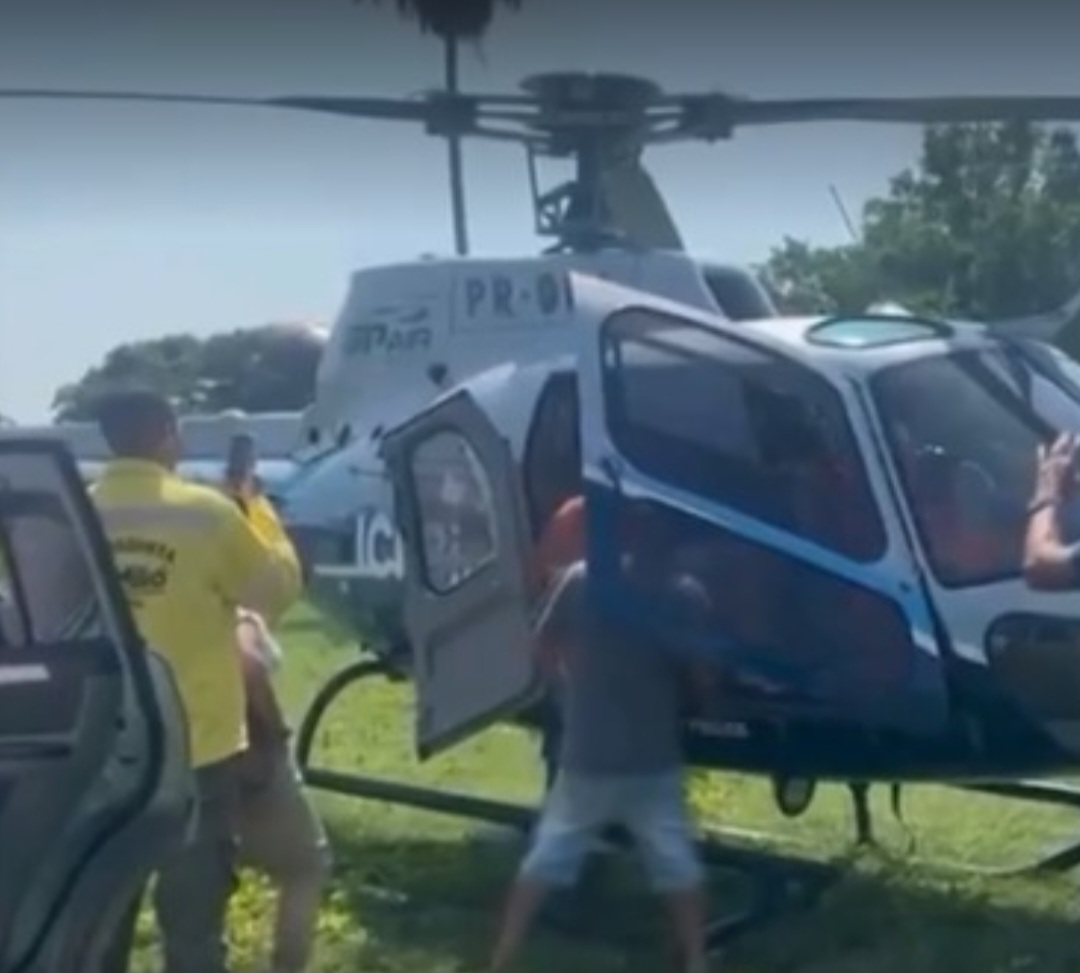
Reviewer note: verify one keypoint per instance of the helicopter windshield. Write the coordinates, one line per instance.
(964, 429)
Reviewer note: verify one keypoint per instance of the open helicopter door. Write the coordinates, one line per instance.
(697, 464)
(94, 779)
(462, 515)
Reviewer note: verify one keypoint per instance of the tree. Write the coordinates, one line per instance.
(987, 225)
(454, 21)
(263, 369)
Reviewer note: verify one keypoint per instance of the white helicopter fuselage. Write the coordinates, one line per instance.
(341, 505)
(406, 333)
(850, 493)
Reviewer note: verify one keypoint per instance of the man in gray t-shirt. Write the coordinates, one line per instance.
(620, 762)
(621, 702)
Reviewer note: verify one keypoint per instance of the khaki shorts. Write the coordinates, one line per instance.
(279, 830)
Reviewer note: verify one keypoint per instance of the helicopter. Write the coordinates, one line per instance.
(206, 440)
(507, 347)
(405, 332)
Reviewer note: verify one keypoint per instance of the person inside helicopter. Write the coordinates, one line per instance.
(962, 429)
(560, 545)
(1051, 563)
(819, 493)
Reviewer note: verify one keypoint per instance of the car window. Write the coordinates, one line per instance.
(741, 426)
(47, 593)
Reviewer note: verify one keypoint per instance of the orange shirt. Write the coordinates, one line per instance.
(562, 541)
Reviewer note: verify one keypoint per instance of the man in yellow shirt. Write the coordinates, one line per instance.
(188, 558)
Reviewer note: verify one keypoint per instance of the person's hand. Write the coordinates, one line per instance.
(1055, 479)
(241, 486)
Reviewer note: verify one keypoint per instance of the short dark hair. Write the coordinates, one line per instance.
(135, 422)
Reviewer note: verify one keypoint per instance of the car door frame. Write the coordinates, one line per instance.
(611, 479)
(70, 921)
(497, 589)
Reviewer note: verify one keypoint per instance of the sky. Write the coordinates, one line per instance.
(120, 223)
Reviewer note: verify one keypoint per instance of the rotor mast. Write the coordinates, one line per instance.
(454, 152)
(601, 123)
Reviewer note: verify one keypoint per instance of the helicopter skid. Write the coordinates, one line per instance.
(1055, 861)
(1058, 860)
(781, 884)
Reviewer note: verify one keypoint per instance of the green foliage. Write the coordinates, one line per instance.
(986, 225)
(257, 370)
(458, 19)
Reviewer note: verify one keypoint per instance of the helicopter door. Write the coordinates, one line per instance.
(94, 781)
(467, 550)
(710, 456)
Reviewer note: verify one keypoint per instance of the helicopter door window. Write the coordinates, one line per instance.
(755, 431)
(457, 511)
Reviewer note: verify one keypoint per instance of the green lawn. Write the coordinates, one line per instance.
(416, 891)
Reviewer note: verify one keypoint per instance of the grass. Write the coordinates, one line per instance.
(416, 891)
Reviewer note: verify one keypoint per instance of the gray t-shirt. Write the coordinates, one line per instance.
(621, 699)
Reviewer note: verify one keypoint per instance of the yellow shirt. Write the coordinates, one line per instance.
(188, 559)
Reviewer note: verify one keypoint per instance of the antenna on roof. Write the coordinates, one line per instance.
(845, 216)
(882, 306)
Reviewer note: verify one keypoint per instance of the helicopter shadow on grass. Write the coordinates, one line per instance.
(446, 896)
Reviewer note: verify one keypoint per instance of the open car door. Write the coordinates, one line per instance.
(467, 550)
(94, 785)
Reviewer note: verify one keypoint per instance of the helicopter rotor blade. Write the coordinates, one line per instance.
(723, 113)
(384, 109)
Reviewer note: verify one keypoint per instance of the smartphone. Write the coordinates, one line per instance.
(240, 464)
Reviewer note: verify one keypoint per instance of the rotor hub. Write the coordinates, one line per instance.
(578, 89)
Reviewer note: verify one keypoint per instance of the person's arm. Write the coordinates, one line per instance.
(1049, 563)
(254, 568)
(256, 636)
(694, 606)
(261, 699)
(267, 525)
(559, 622)
(561, 543)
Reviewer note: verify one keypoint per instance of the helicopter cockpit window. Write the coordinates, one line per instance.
(752, 430)
(964, 429)
(456, 511)
(874, 332)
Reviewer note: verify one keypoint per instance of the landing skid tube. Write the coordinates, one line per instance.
(782, 884)
(1056, 861)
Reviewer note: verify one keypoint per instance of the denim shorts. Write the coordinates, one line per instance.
(651, 807)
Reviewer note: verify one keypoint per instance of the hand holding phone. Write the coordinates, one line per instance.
(240, 466)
